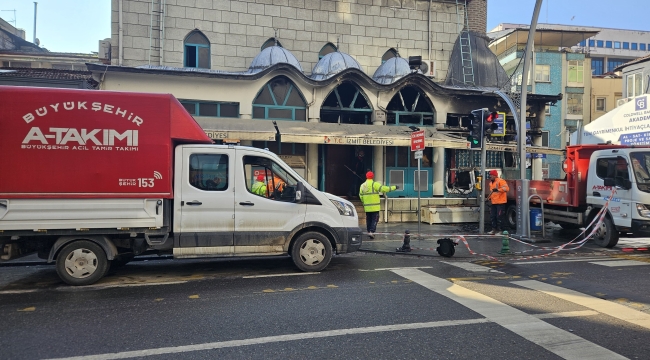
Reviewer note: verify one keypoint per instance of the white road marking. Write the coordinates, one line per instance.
(619, 263)
(472, 267)
(3, 292)
(275, 275)
(561, 261)
(274, 339)
(397, 268)
(551, 338)
(610, 308)
(565, 314)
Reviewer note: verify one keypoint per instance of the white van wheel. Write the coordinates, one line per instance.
(81, 262)
(312, 251)
(606, 236)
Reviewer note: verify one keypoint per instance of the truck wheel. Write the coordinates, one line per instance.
(312, 251)
(81, 262)
(606, 235)
(511, 216)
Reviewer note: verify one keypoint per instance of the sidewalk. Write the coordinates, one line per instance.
(426, 244)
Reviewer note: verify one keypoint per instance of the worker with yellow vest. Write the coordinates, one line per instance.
(259, 187)
(369, 195)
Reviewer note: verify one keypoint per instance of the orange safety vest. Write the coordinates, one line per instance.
(501, 196)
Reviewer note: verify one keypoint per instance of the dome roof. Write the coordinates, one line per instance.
(273, 55)
(392, 70)
(332, 64)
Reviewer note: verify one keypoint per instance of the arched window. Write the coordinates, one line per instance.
(197, 50)
(346, 104)
(280, 99)
(270, 42)
(390, 53)
(326, 49)
(410, 106)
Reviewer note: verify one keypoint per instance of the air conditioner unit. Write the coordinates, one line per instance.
(428, 68)
(104, 52)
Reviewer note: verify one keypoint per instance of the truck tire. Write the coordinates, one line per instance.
(606, 236)
(81, 262)
(511, 216)
(312, 251)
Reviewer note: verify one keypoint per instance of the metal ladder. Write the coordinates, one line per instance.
(157, 31)
(465, 44)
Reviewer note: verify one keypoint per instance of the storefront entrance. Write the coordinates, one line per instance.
(342, 169)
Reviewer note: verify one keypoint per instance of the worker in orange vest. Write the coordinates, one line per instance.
(498, 198)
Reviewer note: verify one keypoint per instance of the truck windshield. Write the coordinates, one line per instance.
(641, 169)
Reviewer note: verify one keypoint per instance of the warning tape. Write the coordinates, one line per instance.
(594, 225)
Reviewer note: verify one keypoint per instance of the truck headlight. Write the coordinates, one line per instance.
(344, 209)
(643, 210)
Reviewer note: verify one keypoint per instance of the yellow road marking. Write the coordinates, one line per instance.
(193, 296)
(31, 308)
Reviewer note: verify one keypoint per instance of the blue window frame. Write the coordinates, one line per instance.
(634, 46)
(592, 43)
(410, 106)
(608, 44)
(613, 63)
(583, 43)
(279, 99)
(402, 170)
(197, 50)
(600, 43)
(346, 104)
(617, 44)
(211, 109)
(626, 45)
(597, 66)
(642, 47)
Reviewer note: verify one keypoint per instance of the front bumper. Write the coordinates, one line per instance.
(641, 227)
(350, 239)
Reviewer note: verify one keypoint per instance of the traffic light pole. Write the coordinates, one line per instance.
(481, 216)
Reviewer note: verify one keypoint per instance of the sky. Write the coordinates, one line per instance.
(78, 25)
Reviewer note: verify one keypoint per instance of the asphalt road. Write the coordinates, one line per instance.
(363, 306)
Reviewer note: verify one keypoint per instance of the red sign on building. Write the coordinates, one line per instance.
(417, 140)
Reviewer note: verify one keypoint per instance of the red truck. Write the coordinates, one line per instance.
(91, 179)
(592, 173)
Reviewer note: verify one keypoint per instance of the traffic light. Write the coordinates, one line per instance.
(475, 137)
(490, 123)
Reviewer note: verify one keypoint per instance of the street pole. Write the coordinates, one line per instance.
(481, 225)
(522, 203)
(419, 186)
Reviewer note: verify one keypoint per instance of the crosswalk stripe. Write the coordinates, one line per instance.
(612, 309)
(553, 339)
(472, 267)
(617, 263)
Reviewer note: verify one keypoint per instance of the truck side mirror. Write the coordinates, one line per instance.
(609, 182)
(300, 188)
(626, 184)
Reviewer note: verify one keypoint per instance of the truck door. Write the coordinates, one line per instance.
(265, 214)
(612, 172)
(207, 198)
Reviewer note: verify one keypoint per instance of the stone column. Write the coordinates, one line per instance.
(311, 173)
(536, 163)
(378, 119)
(438, 172)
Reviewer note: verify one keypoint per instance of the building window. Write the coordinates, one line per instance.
(597, 66)
(582, 43)
(634, 46)
(613, 63)
(634, 85)
(62, 66)
(592, 43)
(346, 104)
(600, 43)
(326, 49)
(601, 104)
(642, 47)
(626, 45)
(617, 44)
(270, 42)
(576, 71)
(280, 99)
(410, 106)
(213, 109)
(209, 172)
(608, 44)
(543, 73)
(390, 53)
(20, 64)
(197, 50)
(574, 104)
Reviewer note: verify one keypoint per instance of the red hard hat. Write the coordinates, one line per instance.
(494, 173)
(370, 175)
(260, 177)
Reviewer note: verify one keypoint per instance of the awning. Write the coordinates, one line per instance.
(340, 134)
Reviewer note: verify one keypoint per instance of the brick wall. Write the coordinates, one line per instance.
(477, 15)
(237, 29)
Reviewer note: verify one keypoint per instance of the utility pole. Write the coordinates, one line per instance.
(35, 8)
